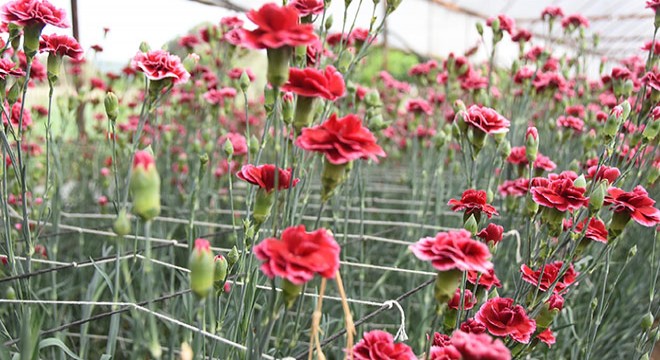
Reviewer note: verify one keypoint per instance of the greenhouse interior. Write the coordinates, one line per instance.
(319, 179)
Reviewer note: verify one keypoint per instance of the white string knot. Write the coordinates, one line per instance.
(401, 333)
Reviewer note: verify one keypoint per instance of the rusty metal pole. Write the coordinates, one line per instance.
(74, 19)
(385, 35)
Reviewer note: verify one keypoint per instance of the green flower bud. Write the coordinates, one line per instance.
(647, 321)
(144, 47)
(372, 99)
(202, 268)
(580, 182)
(262, 206)
(111, 104)
(145, 186)
(446, 283)
(228, 148)
(190, 62)
(253, 145)
(233, 256)
(290, 291)
(328, 22)
(480, 28)
(122, 225)
(53, 65)
(331, 177)
(471, 225)
(221, 267)
(10, 293)
(278, 65)
(244, 81)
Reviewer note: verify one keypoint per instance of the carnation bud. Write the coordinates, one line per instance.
(597, 197)
(647, 321)
(111, 104)
(287, 108)
(331, 177)
(228, 148)
(53, 65)
(632, 252)
(654, 174)
(190, 62)
(372, 99)
(392, 5)
(253, 145)
(651, 130)
(145, 186)
(290, 292)
(471, 225)
(328, 22)
(10, 293)
(495, 25)
(221, 266)
(144, 47)
(480, 28)
(345, 61)
(202, 268)
(262, 206)
(278, 65)
(203, 161)
(580, 182)
(233, 256)
(505, 149)
(446, 283)
(244, 81)
(15, 91)
(122, 225)
(532, 143)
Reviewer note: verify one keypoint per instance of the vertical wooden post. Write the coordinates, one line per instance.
(74, 19)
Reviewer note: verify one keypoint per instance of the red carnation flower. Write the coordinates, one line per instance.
(486, 120)
(453, 250)
(61, 45)
(160, 65)
(299, 255)
(653, 5)
(575, 20)
(308, 7)
(7, 67)
(473, 202)
(469, 300)
(448, 352)
(550, 274)
(560, 194)
(506, 23)
(277, 26)
(472, 326)
(596, 230)
(502, 318)
(264, 176)
(479, 346)
(547, 337)
(143, 159)
(310, 82)
(341, 140)
(570, 122)
(492, 233)
(32, 12)
(552, 11)
(636, 204)
(419, 106)
(379, 345)
(487, 279)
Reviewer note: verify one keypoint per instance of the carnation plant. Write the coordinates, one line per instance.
(192, 207)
